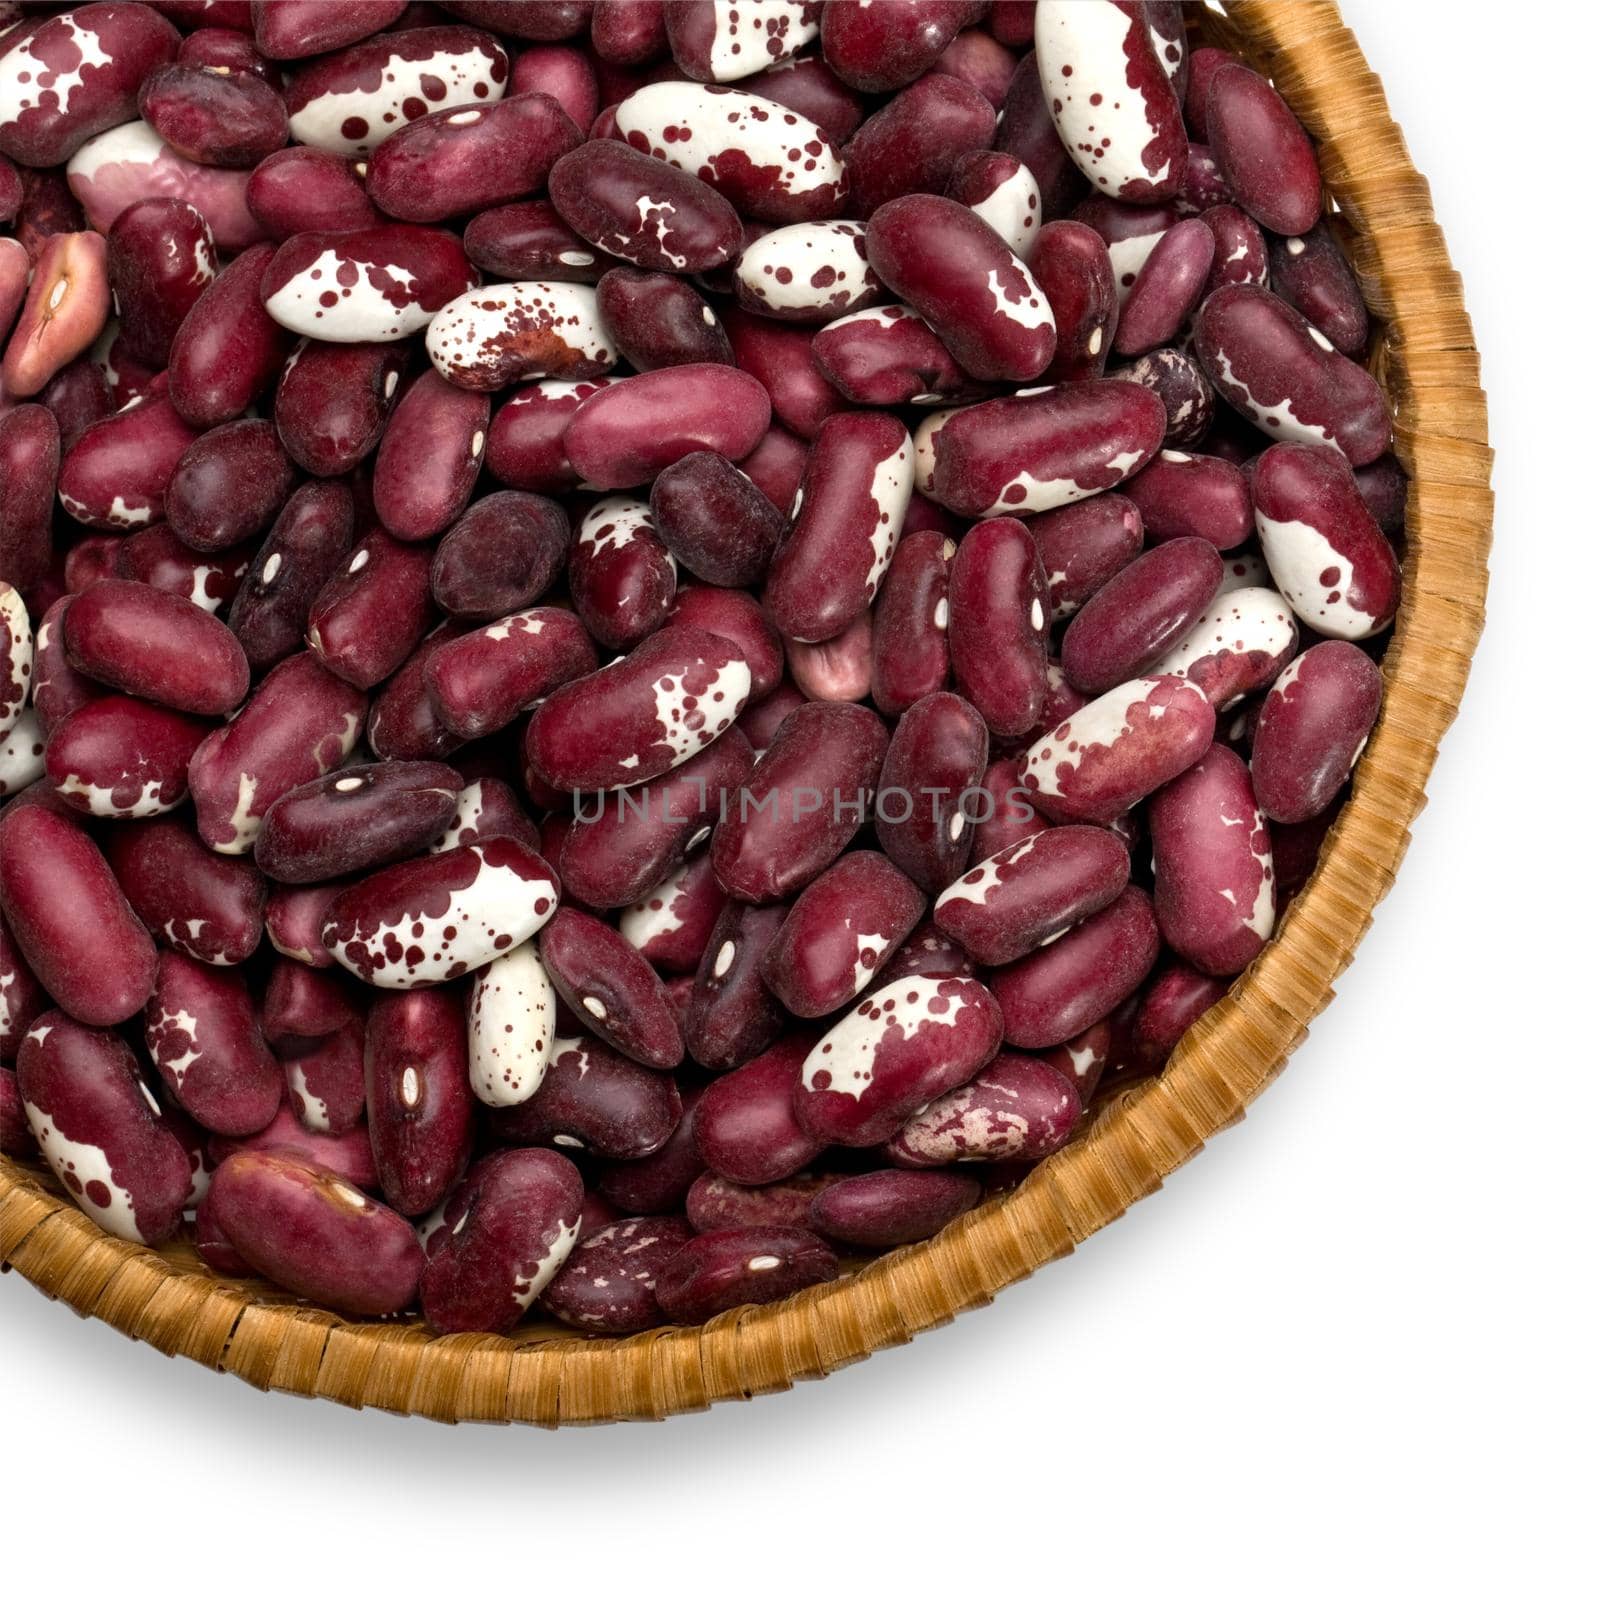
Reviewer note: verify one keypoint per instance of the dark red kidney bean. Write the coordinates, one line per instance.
(16, 1138)
(594, 1099)
(1024, 896)
(744, 1125)
(119, 757)
(1237, 647)
(609, 1280)
(807, 797)
(880, 1210)
(1167, 289)
(52, 107)
(504, 1233)
(627, 433)
(900, 1047)
(886, 356)
(227, 350)
(479, 682)
(201, 1032)
(1113, 104)
(646, 211)
(628, 32)
(1019, 1108)
(1327, 555)
(715, 1272)
(1183, 496)
(879, 48)
(714, 520)
(732, 1015)
(847, 520)
(160, 259)
(526, 447)
(713, 1203)
(912, 145)
(1241, 254)
(936, 756)
(1083, 1061)
(22, 997)
(48, 207)
(656, 320)
(404, 723)
(355, 819)
(911, 622)
(419, 1105)
(429, 457)
(288, 30)
(1176, 379)
(641, 715)
(89, 561)
(774, 167)
(154, 556)
(983, 61)
(1084, 545)
(334, 401)
(837, 935)
(155, 645)
(611, 988)
(1118, 749)
(228, 485)
(1027, 131)
(719, 44)
(300, 722)
(100, 1129)
(351, 101)
(509, 332)
(461, 909)
(10, 192)
(309, 1230)
(1055, 993)
(624, 843)
(1034, 451)
(1296, 849)
(528, 239)
(1311, 273)
(778, 356)
(1073, 267)
(487, 809)
(1284, 375)
(1213, 865)
(657, 1182)
(30, 457)
(1141, 613)
(1203, 64)
(371, 284)
(1382, 484)
(302, 1002)
(1262, 151)
(308, 543)
(560, 20)
(1175, 997)
(563, 72)
(371, 615)
(999, 629)
(345, 1155)
(954, 270)
(620, 576)
(500, 556)
(761, 722)
(1007, 816)
(670, 923)
(295, 919)
(306, 190)
(116, 474)
(216, 119)
(1314, 723)
(836, 669)
(196, 902)
(456, 161)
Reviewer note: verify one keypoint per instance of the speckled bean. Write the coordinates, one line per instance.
(720, 43)
(508, 333)
(1237, 647)
(120, 757)
(609, 1280)
(1019, 1108)
(511, 1025)
(1083, 546)
(886, 356)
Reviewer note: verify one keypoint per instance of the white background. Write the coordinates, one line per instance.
(1352, 1346)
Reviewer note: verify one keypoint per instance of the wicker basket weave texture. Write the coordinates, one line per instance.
(1426, 359)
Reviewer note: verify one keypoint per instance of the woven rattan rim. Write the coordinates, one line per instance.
(1430, 368)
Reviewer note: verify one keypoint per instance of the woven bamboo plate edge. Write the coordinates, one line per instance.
(1430, 367)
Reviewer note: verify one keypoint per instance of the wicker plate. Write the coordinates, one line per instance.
(1426, 359)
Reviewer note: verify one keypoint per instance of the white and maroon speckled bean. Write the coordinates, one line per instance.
(608, 1283)
(671, 924)
(620, 576)
(807, 272)
(1327, 554)
(1019, 1108)
(121, 757)
(721, 41)
(1113, 104)
(508, 333)
(511, 1025)
(1084, 546)
(1237, 647)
